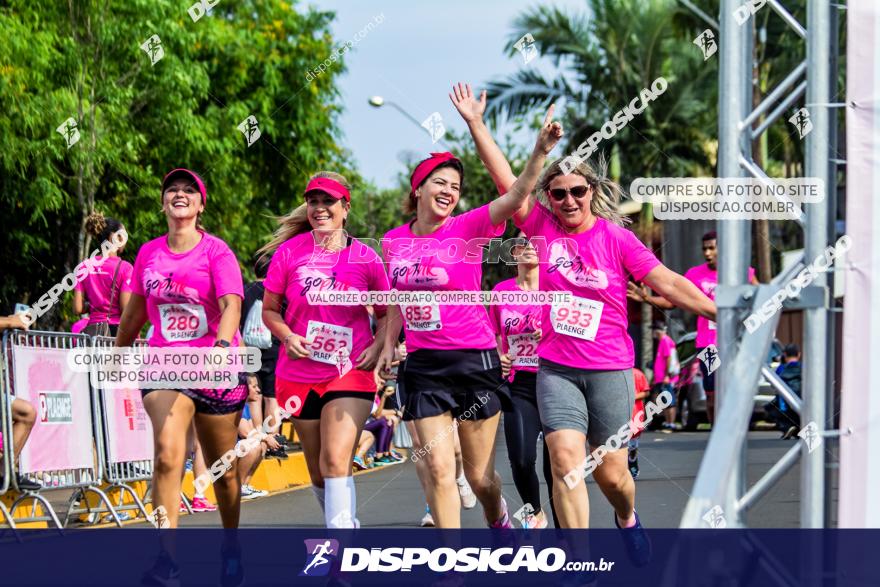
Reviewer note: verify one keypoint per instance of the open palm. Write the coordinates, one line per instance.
(469, 107)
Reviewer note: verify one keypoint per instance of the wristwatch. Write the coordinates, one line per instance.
(222, 343)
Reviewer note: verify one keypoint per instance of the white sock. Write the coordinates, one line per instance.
(319, 495)
(338, 497)
(353, 493)
(462, 480)
(198, 495)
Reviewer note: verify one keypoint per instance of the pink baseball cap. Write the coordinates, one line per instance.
(181, 173)
(427, 166)
(328, 186)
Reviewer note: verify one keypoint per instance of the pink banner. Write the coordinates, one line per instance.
(129, 433)
(62, 435)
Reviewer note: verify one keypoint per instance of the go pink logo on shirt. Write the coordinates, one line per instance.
(312, 279)
(421, 272)
(517, 322)
(573, 268)
(157, 284)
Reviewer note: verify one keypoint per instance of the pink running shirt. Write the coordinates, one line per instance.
(516, 323)
(661, 360)
(299, 267)
(446, 260)
(97, 287)
(182, 290)
(590, 332)
(706, 280)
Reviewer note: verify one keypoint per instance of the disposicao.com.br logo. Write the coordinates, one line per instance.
(443, 560)
(320, 553)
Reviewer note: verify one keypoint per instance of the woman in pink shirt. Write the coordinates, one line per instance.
(585, 384)
(324, 376)
(518, 331)
(107, 286)
(187, 283)
(452, 370)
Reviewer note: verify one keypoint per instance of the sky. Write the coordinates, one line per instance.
(412, 57)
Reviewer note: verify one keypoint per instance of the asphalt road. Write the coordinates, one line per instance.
(392, 496)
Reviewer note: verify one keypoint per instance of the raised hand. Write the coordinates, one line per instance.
(551, 132)
(470, 108)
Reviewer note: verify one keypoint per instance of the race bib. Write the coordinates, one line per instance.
(423, 317)
(523, 349)
(579, 318)
(183, 321)
(712, 325)
(328, 343)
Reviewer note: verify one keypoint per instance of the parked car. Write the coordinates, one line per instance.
(689, 389)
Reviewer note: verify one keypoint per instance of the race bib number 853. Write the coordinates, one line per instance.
(423, 317)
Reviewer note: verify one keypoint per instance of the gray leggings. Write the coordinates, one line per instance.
(596, 403)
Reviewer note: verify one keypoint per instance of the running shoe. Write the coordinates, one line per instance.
(189, 465)
(164, 573)
(359, 463)
(535, 521)
(397, 456)
(638, 545)
(231, 570)
(200, 504)
(634, 468)
(250, 492)
(384, 460)
(427, 519)
(502, 523)
(468, 499)
(25, 484)
(182, 509)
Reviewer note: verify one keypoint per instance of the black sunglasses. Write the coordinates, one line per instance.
(578, 191)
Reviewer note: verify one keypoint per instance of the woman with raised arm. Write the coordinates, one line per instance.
(325, 372)
(188, 284)
(452, 370)
(585, 384)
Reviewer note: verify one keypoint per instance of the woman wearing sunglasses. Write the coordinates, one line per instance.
(452, 370)
(584, 386)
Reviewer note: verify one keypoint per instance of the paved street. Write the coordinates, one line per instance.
(392, 497)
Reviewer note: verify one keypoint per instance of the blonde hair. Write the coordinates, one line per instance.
(606, 193)
(297, 222)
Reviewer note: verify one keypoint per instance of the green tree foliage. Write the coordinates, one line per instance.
(83, 59)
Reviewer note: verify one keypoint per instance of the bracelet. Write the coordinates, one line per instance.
(286, 338)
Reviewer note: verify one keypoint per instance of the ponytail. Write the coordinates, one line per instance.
(102, 228)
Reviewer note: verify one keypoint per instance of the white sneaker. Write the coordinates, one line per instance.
(427, 519)
(468, 499)
(248, 492)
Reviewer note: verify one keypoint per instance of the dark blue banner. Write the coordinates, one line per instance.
(432, 557)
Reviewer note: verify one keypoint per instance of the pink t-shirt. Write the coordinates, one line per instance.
(97, 288)
(299, 267)
(661, 360)
(514, 324)
(707, 279)
(182, 290)
(446, 260)
(590, 332)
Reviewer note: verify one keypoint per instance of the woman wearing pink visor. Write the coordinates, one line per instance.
(188, 284)
(584, 387)
(452, 371)
(324, 376)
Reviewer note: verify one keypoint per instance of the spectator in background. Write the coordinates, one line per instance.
(666, 368)
(256, 334)
(106, 287)
(23, 417)
(777, 410)
(642, 389)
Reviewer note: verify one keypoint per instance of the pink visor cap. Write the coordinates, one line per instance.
(181, 173)
(328, 186)
(426, 167)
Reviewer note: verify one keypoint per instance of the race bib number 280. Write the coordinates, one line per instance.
(183, 321)
(578, 318)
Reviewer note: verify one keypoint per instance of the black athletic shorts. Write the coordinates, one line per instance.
(708, 378)
(465, 382)
(314, 403)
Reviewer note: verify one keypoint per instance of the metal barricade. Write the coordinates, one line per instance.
(119, 474)
(83, 480)
(5, 434)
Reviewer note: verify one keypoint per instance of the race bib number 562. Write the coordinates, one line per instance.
(329, 343)
(183, 321)
(579, 318)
